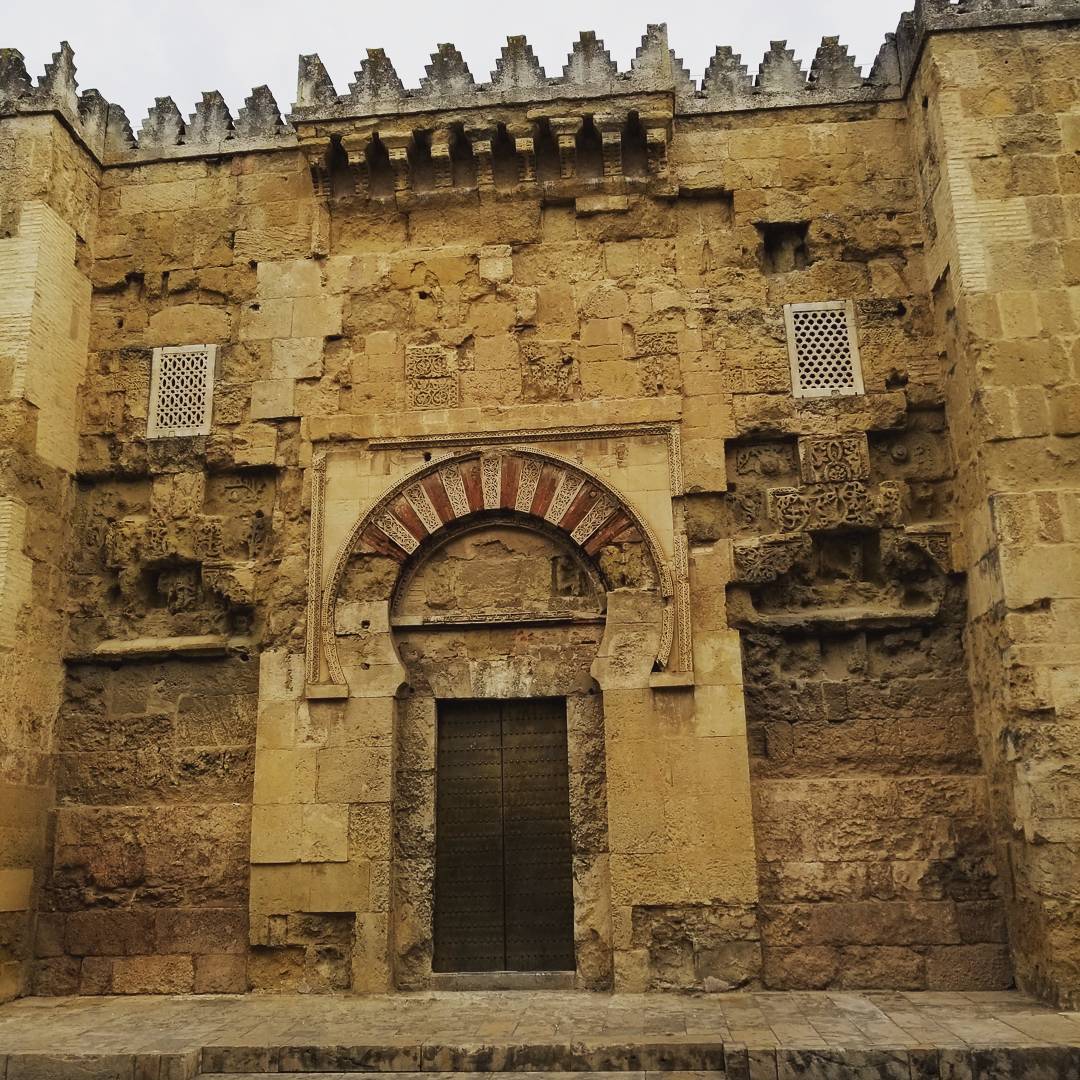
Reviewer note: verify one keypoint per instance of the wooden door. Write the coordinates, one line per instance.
(503, 864)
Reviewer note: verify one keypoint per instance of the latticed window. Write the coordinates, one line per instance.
(824, 349)
(182, 391)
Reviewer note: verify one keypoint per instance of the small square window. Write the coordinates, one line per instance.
(182, 392)
(824, 349)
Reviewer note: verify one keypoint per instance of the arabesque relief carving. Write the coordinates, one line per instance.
(827, 506)
(834, 460)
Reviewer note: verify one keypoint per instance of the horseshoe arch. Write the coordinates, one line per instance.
(523, 480)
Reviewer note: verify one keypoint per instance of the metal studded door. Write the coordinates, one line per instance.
(503, 872)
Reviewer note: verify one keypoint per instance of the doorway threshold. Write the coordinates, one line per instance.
(502, 980)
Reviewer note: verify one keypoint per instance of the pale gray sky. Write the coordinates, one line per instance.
(135, 50)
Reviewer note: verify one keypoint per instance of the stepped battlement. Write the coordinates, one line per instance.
(518, 79)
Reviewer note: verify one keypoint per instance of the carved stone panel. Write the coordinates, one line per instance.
(758, 562)
(431, 377)
(433, 393)
(832, 506)
(834, 460)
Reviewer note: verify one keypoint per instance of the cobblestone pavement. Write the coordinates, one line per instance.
(131, 1037)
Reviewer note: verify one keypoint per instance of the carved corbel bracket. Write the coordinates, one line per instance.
(610, 127)
(758, 562)
(935, 544)
(482, 137)
(566, 130)
(441, 158)
(397, 147)
(525, 145)
(356, 148)
(234, 582)
(315, 151)
(658, 132)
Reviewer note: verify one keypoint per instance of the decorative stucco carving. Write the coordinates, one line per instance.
(831, 506)
(834, 460)
(758, 562)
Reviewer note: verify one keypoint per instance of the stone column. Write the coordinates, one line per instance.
(997, 134)
(44, 330)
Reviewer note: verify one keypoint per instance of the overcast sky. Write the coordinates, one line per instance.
(135, 51)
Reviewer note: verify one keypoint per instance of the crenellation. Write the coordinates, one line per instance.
(376, 81)
(655, 66)
(314, 87)
(518, 69)
(211, 123)
(885, 72)
(780, 72)
(57, 86)
(260, 118)
(833, 68)
(448, 75)
(727, 76)
(163, 127)
(119, 136)
(15, 81)
(589, 66)
(94, 113)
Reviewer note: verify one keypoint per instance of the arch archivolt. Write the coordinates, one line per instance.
(563, 495)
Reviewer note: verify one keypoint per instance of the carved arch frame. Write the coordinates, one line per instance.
(570, 496)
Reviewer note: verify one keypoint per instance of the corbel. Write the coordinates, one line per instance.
(525, 145)
(482, 137)
(657, 138)
(565, 129)
(397, 147)
(356, 146)
(315, 152)
(611, 129)
(440, 158)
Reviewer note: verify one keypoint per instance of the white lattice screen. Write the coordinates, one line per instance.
(824, 349)
(182, 391)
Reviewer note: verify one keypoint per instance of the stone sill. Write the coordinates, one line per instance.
(508, 618)
(839, 618)
(671, 680)
(146, 648)
(503, 980)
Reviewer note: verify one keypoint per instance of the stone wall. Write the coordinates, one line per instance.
(148, 877)
(997, 140)
(816, 650)
(48, 188)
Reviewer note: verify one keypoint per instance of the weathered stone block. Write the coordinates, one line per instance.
(221, 974)
(153, 975)
(355, 775)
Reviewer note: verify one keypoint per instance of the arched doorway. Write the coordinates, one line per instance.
(500, 809)
(511, 590)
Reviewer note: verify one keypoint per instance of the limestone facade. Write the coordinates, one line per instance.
(742, 417)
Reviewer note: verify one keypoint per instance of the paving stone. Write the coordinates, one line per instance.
(747, 1036)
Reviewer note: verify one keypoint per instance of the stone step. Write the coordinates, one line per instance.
(596, 1057)
(1033, 1062)
(639, 1075)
